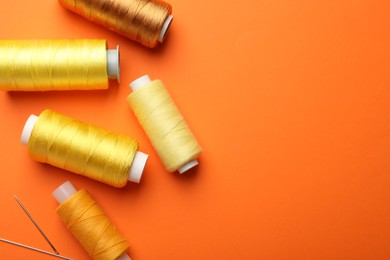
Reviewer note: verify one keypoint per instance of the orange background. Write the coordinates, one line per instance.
(289, 101)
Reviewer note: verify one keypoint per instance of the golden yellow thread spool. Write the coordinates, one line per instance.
(41, 65)
(87, 221)
(164, 125)
(84, 149)
(144, 21)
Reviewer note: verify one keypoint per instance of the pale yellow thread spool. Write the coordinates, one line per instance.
(144, 21)
(84, 149)
(164, 125)
(42, 65)
(89, 224)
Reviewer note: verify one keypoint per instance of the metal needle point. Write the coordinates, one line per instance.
(36, 225)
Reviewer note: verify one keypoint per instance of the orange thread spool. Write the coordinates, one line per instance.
(87, 221)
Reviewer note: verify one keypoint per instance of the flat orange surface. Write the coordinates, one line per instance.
(289, 101)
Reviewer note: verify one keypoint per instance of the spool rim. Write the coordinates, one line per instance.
(27, 129)
(137, 167)
(140, 82)
(165, 28)
(64, 191)
(189, 165)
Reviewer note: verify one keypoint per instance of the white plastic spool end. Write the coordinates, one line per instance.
(113, 66)
(140, 82)
(137, 167)
(164, 29)
(27, 129)
(64, 191)
(124, 256)
(187, 166)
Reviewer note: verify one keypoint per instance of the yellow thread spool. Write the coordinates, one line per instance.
(164, 125)
(89, 224)
(144, 21)
(41, 65)
(84, 149)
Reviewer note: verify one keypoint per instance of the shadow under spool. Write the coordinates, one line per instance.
(42, 65)
(88, 223)
(144, 21)
(83, 149)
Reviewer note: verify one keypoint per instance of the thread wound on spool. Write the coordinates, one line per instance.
(39, 65)
(92, 228)
(82, 148)
(161, 120)
(139, 20)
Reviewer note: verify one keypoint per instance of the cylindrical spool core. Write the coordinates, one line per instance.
(139, 83)
(136, 168)
(65, 191)
(113, 67)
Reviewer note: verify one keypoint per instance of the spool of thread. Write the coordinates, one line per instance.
(144, 21)
(163, 124)
(84, 149)
(41, 65)
(89, 224)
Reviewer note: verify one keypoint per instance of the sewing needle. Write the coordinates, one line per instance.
(34, 249)
(36, 224)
